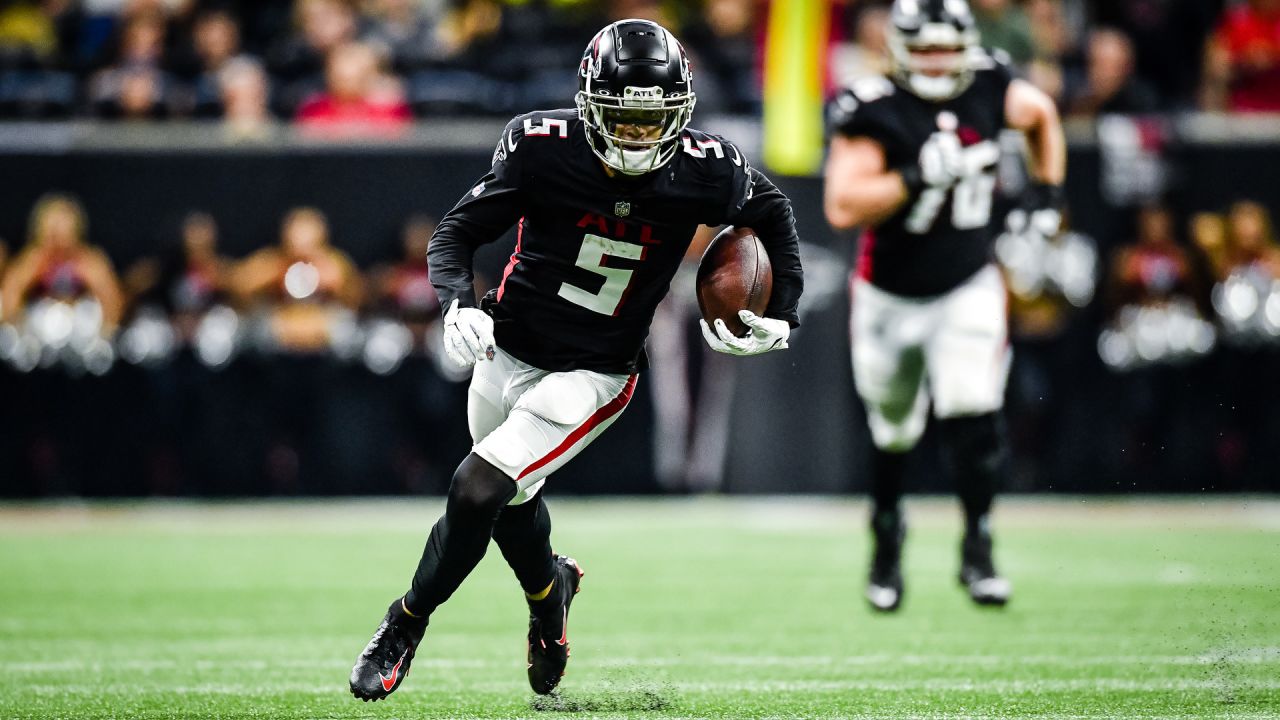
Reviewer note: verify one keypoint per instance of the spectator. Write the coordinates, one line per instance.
(722, 45)
(1004, 26)
(405, 32)
(59, 265)
(1052, 37)
(1251, 240)
(243, 93)
(359, 101)
(192, 277)
(468, 23)
(1155, 269)
(405, 288)
(135, 87)
(1165, 34)
(28, 34)
(304, 284)
(1209, 235)
(215, 41)
(866, 54)
(303, 294)
(1109, 85)
(321, 26)
(1242, 61)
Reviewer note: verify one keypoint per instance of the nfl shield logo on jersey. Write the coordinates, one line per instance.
(622, 208)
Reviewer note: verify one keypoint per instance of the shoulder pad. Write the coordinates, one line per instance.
(871, 88)
(710, 147)
(993, 59)
(855, 109)
(547, 123)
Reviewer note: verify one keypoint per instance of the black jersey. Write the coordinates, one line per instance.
(595, 254)
(939, 238)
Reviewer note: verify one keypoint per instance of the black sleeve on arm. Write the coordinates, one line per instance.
(487, 211)
(766, 210)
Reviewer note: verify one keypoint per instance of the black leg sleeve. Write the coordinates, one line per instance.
(523, 534)
(977, 450)
(887, 472)
(459, 539)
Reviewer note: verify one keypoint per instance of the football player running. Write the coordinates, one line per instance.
(912, 160)
(606, 198)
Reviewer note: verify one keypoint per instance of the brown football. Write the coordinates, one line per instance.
(734, 274)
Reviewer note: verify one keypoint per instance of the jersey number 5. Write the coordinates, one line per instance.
(616, 280)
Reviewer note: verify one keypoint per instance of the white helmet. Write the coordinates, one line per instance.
(931, 46)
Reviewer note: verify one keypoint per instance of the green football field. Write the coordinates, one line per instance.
(689, 608)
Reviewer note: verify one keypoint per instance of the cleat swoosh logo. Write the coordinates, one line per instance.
(390, 682)
(564, 634)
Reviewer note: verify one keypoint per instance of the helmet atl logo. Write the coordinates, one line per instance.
(622, 208)
(645, 97)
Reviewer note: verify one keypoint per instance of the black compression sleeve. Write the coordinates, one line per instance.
(768, 212)
(479, 218)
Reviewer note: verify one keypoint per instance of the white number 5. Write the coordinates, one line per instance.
(591, 258)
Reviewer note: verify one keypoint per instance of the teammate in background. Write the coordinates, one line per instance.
(605, 198)
(912, 160)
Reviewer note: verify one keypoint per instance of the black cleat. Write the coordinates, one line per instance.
(884, 586)
(549, 628)
(977, 571)
(385, 661)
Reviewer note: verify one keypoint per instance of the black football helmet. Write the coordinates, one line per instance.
(931, 47)
(634, 73)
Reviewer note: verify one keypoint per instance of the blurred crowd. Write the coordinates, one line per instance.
(298, 317)
(332, 65)
(373, 65)
(1111, 56)
(1183, 315)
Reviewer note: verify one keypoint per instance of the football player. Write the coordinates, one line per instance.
(605, 198)
(912, 160)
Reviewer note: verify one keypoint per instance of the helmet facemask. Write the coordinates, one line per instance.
(638, 132)
(934, 62)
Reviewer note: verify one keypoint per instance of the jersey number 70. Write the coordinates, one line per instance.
(971, 196)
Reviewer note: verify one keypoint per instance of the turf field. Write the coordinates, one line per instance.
(690, 608)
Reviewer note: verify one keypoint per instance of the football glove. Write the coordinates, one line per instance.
(941, 160)
(468, 335)
(766, 334)
(1039, 212)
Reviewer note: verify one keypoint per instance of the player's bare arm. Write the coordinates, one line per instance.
(860, 190)
(1028, 109)
(1034, 113)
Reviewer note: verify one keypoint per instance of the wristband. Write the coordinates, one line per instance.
(1045, 195)
(912, 178)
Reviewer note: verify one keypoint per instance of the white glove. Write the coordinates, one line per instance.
(1042, 224)
(941, 160)
(468, 335)
(766, 334)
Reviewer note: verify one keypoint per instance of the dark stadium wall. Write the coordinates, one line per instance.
(797, 426)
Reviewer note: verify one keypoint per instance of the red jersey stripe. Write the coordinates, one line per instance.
(611, 408)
